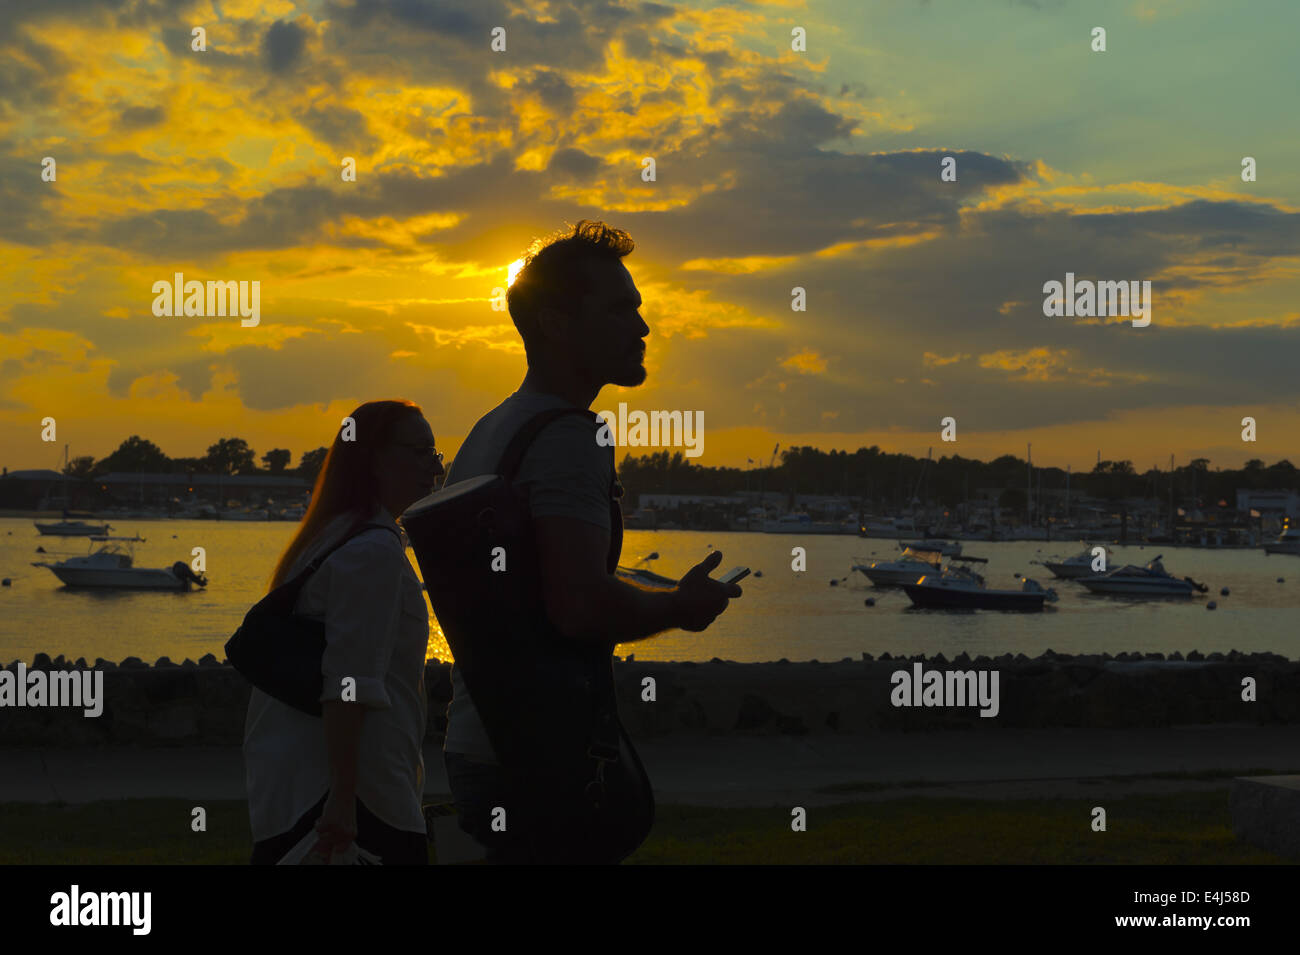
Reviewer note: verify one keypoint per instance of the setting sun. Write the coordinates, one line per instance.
(512, 270)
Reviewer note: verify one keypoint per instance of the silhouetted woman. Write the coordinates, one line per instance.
(357, 772)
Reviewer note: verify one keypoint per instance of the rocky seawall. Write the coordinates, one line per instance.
(169, 704)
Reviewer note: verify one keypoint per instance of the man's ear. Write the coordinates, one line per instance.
(554, 325)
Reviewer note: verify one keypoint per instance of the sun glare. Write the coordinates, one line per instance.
(512, 270)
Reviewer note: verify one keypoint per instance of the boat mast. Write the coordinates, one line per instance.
(1029, 484)
(1171, 497)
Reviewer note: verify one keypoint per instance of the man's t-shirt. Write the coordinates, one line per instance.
(565, 473)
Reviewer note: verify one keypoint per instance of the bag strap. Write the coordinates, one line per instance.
(603, 741)
(294, 585)
(513, 456)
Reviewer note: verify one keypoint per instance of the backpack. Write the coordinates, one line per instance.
(577, 789)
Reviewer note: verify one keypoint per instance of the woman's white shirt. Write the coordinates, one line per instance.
(377, 636)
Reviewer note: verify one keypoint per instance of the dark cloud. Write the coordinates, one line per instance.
(30, 73)
(461, 21)
(876, 315)
(142, 117)
(114, 13)
(554, 90)
(27, 200)
(338, 126)
(574, 163)
(283, 46)
(280, 219)
(1245, 226)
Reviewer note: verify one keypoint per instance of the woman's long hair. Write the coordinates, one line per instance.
(346, 484)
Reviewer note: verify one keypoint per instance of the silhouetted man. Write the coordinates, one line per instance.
(577, 309)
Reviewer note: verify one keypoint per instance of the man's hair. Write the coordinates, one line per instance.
(556, 272)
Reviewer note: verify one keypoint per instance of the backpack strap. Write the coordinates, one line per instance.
(513, 455)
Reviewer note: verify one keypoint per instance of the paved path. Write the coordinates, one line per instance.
(751, 771)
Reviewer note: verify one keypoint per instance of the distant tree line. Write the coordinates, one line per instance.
(137, 455)
(876, 477)
(870, 475)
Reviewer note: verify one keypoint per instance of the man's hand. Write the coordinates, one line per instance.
(701, 598)
(585, 602)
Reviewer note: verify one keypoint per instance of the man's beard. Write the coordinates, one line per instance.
(629, 377)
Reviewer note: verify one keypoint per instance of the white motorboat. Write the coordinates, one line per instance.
(1288, 542)
(1149, 581)
(1080, 565)
(908, 567)
(112, 567)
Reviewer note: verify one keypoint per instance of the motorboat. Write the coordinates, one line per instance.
(1072, 568)
(1149, 581)
(71, 528)
(908, 567)
(889, 527)
(943, 547)
(963, 589)
(1288, 542)
(112, 567)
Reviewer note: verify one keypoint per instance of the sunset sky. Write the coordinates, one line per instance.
(775, 169)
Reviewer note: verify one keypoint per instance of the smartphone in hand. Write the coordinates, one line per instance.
(734, 575)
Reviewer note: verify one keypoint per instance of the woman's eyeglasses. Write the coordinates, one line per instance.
(423, 450)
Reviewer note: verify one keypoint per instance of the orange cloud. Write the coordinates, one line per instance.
(931, 360)
(806, 362)
(498, 337)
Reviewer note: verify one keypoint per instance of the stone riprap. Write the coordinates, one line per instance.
(205, 702)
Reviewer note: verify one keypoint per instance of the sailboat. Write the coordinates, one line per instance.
(70, 528)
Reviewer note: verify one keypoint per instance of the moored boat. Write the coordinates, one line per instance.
(1288, 542)
(908, 567)
(1149, 581)
(944, 548)
(962, 589)
(71, 528)
(113, 568)
(1080, 565)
